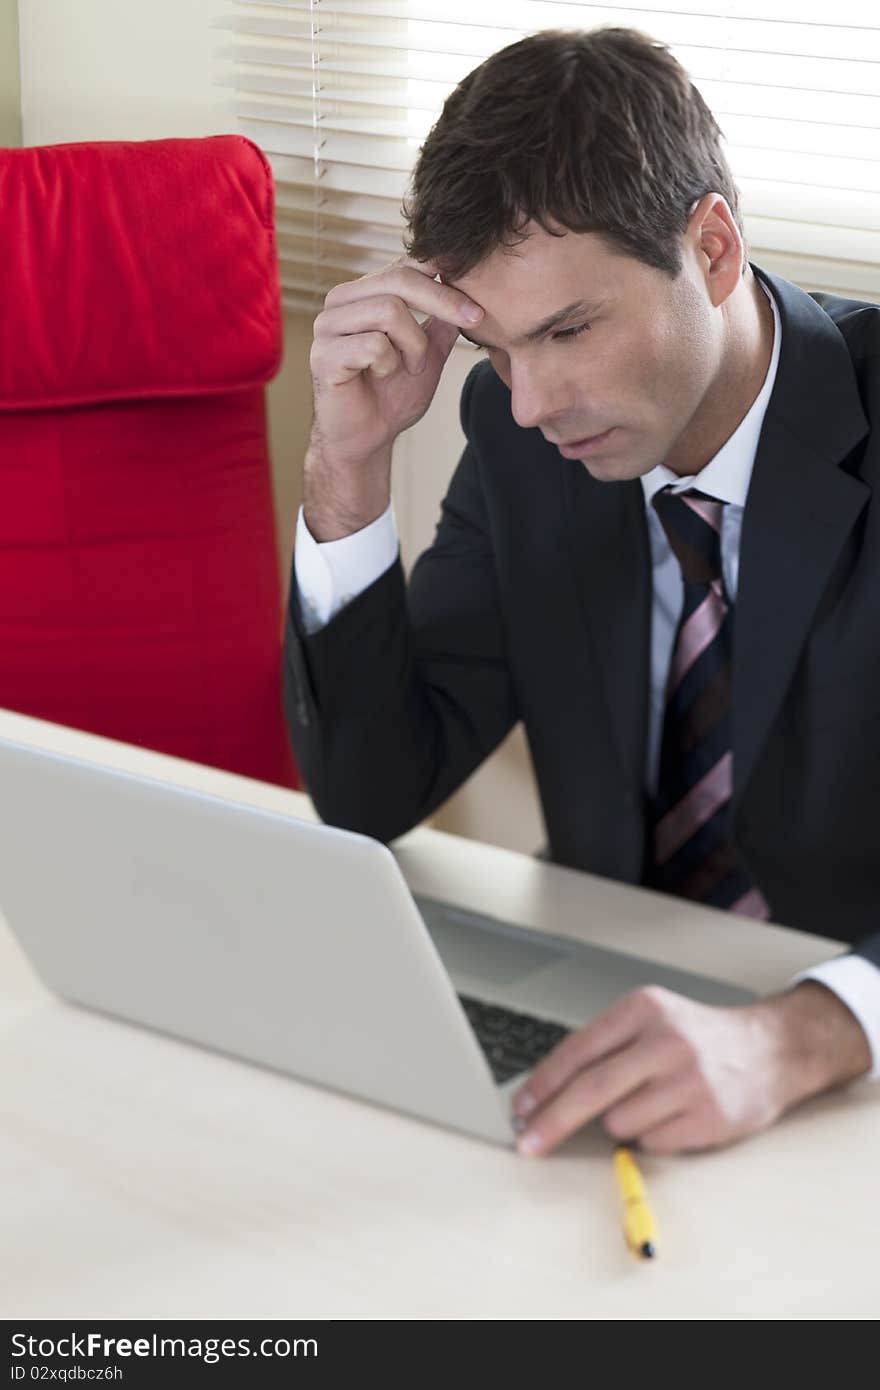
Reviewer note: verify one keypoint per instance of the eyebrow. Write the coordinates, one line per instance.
(579, 306)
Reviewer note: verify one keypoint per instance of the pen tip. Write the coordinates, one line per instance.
(648, 1250)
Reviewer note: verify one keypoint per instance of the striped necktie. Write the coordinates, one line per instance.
(693, 854)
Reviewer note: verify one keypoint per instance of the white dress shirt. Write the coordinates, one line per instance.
(332, 573)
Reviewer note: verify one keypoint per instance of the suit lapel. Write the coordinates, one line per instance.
(800, 508)
(608, 542)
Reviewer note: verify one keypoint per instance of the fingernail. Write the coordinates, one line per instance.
(530, 1144)
(472, 312)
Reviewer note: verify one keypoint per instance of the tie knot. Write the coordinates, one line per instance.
(692, 523)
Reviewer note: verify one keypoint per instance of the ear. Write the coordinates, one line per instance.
(715, 241)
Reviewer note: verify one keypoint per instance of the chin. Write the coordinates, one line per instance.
(615, 470)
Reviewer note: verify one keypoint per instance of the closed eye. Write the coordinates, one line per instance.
(562, 333)
(573, 332)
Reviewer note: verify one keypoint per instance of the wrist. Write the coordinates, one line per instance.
(817, 1042)
(340, 498)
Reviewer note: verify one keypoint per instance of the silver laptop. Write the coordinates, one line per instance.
(289, 944)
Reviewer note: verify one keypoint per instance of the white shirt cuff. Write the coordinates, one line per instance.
(856, 982)
(329, 574)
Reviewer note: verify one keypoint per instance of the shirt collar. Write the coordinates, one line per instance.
(728, 474)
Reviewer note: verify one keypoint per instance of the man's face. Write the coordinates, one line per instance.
(628, 367)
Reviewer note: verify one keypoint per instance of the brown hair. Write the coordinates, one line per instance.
(598, 131)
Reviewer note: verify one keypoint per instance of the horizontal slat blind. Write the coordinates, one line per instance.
(341, 93)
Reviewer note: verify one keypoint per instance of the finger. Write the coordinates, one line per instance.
(652, 1105)
(703, 1124)
(429, 268)
(334, 361)
(588, 1094)
(441, 337)
(417, 290)
(384, 313)
(612, 1030)
(677, 1134)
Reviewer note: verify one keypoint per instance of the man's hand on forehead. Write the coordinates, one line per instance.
(380, 345)
(414, 283)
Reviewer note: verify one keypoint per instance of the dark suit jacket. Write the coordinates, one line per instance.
(534, 603)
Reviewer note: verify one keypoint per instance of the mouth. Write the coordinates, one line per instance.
(580, 448)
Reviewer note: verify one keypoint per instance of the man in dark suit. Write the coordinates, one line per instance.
(658, 550)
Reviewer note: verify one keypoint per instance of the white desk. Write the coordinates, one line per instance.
(140, 1177)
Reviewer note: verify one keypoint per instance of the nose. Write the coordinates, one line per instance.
(537, 394)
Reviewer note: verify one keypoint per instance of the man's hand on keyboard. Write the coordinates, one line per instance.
(674, 1075)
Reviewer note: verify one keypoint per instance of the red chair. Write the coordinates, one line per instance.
(139, 321)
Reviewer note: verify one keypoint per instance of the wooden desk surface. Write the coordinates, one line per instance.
(141, 1177)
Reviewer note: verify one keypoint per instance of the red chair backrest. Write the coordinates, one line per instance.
(139, 320)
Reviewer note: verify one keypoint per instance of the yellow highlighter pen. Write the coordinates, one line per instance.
(638, 1222)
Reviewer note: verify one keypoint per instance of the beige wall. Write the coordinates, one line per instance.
(121, 69)
(10, 94)
(146, 69)
(290, 415)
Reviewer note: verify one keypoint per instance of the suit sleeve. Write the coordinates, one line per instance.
(868, 948)
(396, 701)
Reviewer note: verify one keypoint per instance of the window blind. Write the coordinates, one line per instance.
(341, 93)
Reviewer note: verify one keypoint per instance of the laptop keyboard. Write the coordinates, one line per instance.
(512, 1042)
